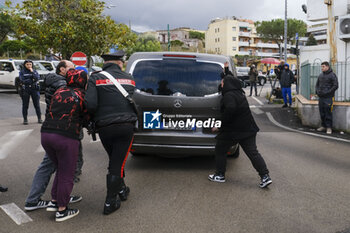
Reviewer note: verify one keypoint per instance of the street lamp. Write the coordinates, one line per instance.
(285, 31)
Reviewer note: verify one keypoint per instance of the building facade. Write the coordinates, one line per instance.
(232, 36)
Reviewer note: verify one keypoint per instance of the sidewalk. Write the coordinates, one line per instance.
(288, 117)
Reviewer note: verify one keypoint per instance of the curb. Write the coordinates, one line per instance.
(270, 117)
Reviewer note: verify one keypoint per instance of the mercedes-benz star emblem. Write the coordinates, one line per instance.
(177, 103)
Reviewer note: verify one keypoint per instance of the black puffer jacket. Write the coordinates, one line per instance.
(327, 84)
(52, 82)
(105, 102)
(287, 78)
(67, 112)
(237, 120)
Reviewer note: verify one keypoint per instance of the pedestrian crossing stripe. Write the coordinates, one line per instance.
(11, 140)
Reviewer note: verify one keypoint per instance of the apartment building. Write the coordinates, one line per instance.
(231, 36)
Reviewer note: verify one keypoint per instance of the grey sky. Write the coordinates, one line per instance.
(156, 14)
(147, 15)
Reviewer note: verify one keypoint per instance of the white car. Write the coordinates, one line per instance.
(9, 73)
(49, 65)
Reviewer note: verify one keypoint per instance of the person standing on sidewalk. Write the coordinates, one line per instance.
(60, 139)
(114, 118)
(253, 76)
(30, 88)
(287, 78)
(238, 126)
(326, 85)
(46, 168)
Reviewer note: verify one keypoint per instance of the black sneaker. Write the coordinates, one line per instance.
(265, 181)
(123, 194)
(52, 206)
(40, 121)
(66, 214)
(75, 199)
(25, 122)
(285, 106)
(34, 206)
(217, 178)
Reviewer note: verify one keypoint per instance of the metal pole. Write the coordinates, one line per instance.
(168, 38)
(285, 31)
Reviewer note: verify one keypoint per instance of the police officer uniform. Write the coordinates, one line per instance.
(114, 119)
(30, 88)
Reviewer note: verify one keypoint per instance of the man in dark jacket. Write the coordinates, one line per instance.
(114, 117)
(253, 76)
(30, 88)
(287, 78)
(238, 126)
(46, 168)
(326, 85)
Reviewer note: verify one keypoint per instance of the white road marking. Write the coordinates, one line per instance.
(269, 115)
(257, 111)
(252, 106)
(42, 102)
(40, 149)
(16, 214)
(11, 140)
(257, 100)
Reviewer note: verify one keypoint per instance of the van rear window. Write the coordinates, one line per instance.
(168, 76)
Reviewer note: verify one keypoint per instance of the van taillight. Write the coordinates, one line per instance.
(179, 55)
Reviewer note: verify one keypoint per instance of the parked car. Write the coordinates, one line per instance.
(50, 65)
(9, 73)
(243, 74)
(176, 86)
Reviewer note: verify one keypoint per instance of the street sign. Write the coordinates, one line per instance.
(297, 36)
(79, 58)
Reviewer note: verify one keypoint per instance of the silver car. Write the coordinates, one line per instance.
(175, 91)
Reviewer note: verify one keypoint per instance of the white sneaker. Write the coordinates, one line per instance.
(329, 130)
(321, 129)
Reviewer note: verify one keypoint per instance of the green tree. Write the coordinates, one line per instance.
(274, 30)
(175, 43)
(14, 46)
(66, 26)
(145, 44)
(197, 35)
(311, 40)
(6, 25)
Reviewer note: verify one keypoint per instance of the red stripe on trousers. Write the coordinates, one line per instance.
(126, 157)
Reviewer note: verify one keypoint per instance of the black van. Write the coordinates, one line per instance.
(178, 101)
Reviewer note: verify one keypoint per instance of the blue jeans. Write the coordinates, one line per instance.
(41, 180)
(287, 91)
(43, 175)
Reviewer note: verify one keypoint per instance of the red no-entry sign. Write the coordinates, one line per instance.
(79, 58)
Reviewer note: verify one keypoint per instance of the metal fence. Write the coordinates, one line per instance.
(310, 72)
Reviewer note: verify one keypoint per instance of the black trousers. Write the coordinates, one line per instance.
(249, 147)
(253, 84)
(325, 106)
(26, 94)
(80, 161)
(117, 140)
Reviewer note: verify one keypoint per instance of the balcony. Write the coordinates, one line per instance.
(267, 45)
(243, 43)
(243, 53)
(321, 37)
(245, 34)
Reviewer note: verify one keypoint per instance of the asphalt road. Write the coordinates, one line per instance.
(310, 190)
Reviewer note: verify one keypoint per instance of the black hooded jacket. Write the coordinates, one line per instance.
(327, 84)
(237, 120)
(52, 83)
(67, 112)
